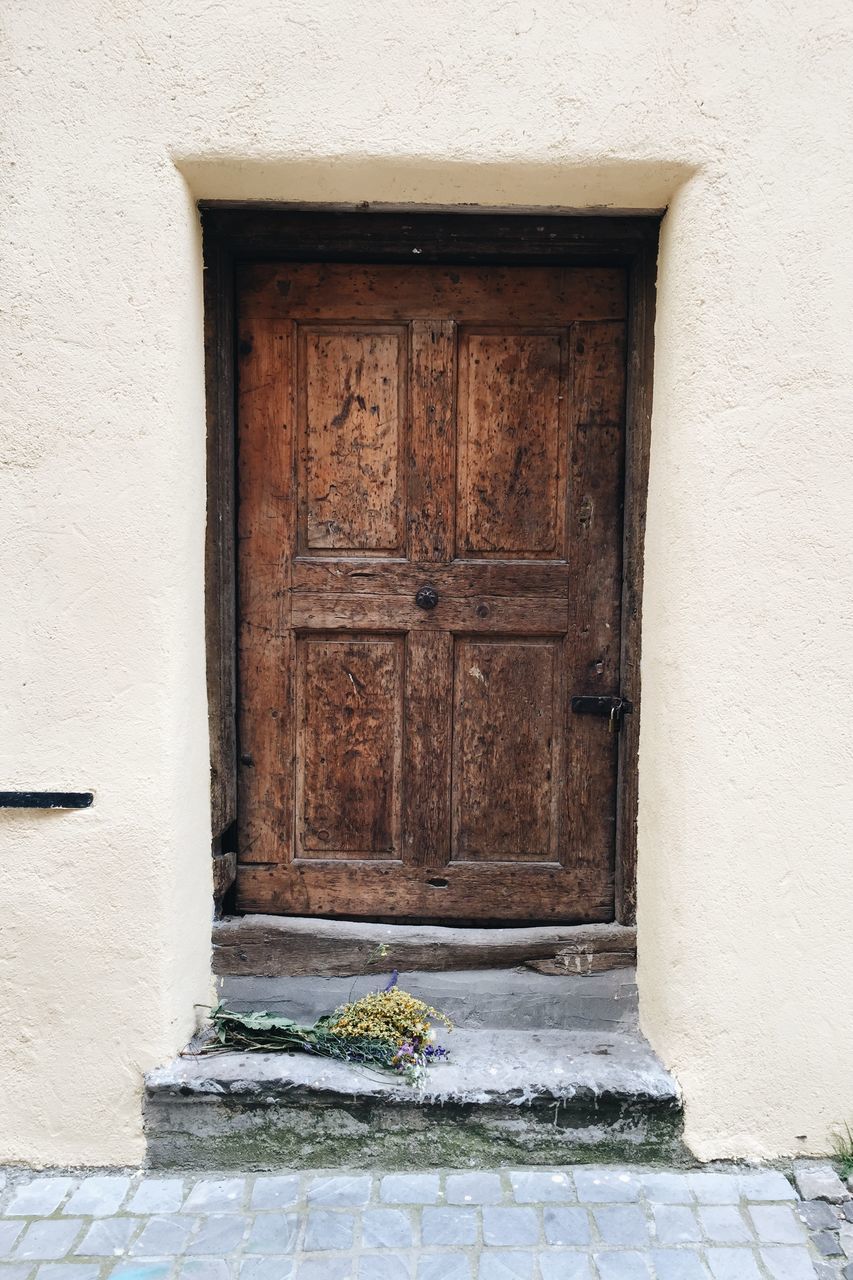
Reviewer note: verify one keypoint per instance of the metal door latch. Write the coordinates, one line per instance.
(613, 706)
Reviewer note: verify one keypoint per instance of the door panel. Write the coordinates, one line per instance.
(461, 429)
(511, 448)
(349, 702)
(506, 744)
(352, 416)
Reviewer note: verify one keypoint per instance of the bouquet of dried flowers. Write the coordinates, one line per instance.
(390, 1029)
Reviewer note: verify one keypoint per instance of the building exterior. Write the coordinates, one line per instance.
(734, 123)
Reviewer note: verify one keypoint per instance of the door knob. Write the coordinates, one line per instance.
(426, 598)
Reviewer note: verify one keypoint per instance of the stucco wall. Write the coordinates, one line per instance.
(118, 116)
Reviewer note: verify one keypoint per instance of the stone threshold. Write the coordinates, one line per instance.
(513, 999)
(282, 946)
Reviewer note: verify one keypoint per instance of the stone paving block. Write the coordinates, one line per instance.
(819, 1182)
(48, 1240)
(450, 1225)
(339, 1191)
(158, 1270)
(622, 1224)
(387, 1229)
(676, 1224)
(622, 1266)
(205, 1269)
(827, 1244)
(98, 1197)
(733, 1264)
(69, 1271)
(845, 1235)
(678, 1264)
(606, 1186)
(443, 1266)
(329, 1229)
(38, 1198)
(267, 1269)
(506, 1264)
(785, 1263)
(157, 1195)
(216, 1195)
(567, 1226)
(710, 1187)
(220, 1233)
(275, 1192)
(766, 1184)
(384, 1266)
(560, 1264)
(847, 1209)
(666, 1188)
(473, 1188)
(724, 1224)
(825, 1271)
(339, 1268)
(817, 1214)
(409, 1188)
(538, 1186)
(273, 1233)
(513, 1226)
(9, 1232)
(776, 1224)
(15, 1271)
(107, 1238)
(162, 1238)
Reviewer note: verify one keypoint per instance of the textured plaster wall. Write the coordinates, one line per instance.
(117, 117)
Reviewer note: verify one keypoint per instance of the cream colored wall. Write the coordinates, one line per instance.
(118, 115)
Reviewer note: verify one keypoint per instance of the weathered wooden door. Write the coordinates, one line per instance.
(430, 476)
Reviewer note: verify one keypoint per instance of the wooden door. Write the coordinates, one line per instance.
(461, 430)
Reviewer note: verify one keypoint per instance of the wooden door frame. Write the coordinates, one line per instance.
(236, 233)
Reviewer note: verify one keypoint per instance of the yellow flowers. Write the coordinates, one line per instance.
(393, 1016)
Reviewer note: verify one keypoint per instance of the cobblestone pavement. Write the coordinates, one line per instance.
(580, 1223)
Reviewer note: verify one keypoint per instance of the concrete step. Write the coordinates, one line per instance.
(516, 999)
(545, 1096)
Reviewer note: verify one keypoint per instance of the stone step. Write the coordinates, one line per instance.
(495, 998)
(547, 1096)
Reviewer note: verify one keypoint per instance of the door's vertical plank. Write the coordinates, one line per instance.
(429, 654)
(220, 552)
(640, 362)
(266, 530)
(597, 363)
(426, 753)
(431, 440)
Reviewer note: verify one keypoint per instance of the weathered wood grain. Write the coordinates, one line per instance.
(266, 533)
(468, 295)
(429, 727)
(484, 614)
(431, 442)
(469, 891)
(424, 790)
(352, 402)
(641, 338)
(280, 946)
(349, 713)
(506, 775)
(511, 443)
(592, 653)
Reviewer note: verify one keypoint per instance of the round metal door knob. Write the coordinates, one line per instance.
(426, 598)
